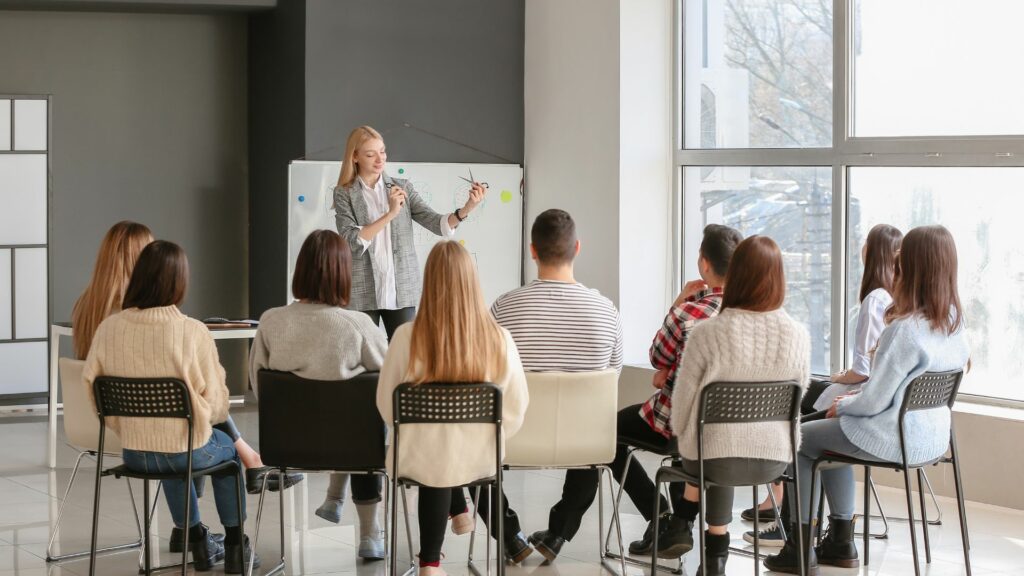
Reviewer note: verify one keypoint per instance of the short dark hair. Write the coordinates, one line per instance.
(718, 245)
(323, 271)
(757, 279)
(554, 237)
(160, 277)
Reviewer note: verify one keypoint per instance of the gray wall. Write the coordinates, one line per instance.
(148, 124)
(453, 67)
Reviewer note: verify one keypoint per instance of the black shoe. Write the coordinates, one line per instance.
(676, 538)
(642, 547)
(206, 551)
(787, 560)
(547, 544)
(837, 547)
(716, 555)
(765, 515)
(255, 477)
(178, 539)
(517, 548)
(236, 558)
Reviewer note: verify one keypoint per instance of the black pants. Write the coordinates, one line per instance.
(814, 391)
(392, 318)
(580, 486)
(509, 515)
(435, 506)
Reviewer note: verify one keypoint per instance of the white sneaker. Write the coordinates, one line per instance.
(463, 523)
(330, 510)
(371, 547)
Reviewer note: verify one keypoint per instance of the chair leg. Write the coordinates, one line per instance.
(910, 515)
(408, 527)
(394, 530)
(924, 516)
(869, 487)
(657, 525)
(96, 509)
(775, 506)
(757, 535)
(964, 536)
(615, 519)
(472, 535)
(147, 527)
(256, 531)
(618, 499)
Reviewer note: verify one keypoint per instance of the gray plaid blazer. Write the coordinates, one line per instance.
(351, 213)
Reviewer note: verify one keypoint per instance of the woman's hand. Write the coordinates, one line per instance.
(396, 199)
(660, 377)
(476, 196)
(690, 289)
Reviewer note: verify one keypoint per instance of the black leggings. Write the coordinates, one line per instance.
(435, 506)
(392, 318)
(814, 391)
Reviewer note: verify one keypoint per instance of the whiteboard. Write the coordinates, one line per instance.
(493, 233)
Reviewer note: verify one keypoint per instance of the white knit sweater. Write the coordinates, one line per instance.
(157, 343)
(739, 346)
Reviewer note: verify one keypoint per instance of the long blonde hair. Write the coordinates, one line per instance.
(356, 138)
(454, 337)
(119, 251)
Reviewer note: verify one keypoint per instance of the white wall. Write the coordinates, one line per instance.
(598, 144)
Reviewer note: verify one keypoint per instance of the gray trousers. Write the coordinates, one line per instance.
(735, 472)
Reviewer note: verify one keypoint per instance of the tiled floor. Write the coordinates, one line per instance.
(30, 493)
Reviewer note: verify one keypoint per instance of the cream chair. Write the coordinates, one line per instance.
(570, 423)
(81, 430)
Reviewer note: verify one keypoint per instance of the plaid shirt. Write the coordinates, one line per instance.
(667, 352)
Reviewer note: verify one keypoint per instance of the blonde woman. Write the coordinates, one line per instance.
(452, 339)
(119, 251)
(374, 214)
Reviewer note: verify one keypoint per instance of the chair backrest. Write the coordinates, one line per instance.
(749, 402)
(932, 390)
(81, 425)
(447, 403)
(570, 420)
(320, 424)
(142, 398)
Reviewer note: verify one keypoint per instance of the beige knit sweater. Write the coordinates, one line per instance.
(739, 346)
(155, 343)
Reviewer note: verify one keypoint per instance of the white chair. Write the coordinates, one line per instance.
(81, 429)
(570, 423)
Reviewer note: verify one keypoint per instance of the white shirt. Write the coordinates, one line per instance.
(870, 323)
(380, 246)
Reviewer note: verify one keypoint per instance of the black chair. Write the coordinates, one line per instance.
(151, 398)
(444, 403)
(738, 403)
(319, 426)
(930, 391)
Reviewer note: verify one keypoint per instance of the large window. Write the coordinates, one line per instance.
(811, 125)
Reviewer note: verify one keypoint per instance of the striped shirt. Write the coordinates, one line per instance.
(561, 327)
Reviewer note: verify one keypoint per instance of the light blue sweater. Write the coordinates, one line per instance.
(907, 348)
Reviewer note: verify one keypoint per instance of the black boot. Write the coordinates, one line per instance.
(837, 548)
(206, 551)
(236, 558)
(715, 556)
(787, 561)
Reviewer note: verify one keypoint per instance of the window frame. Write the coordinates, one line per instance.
(847, 151)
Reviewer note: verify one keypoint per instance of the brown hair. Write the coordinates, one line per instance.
(880, 252)
(160, 277)
(553, 236)
(926, 279)
(118, 252)
(323, 270)
(756, 280)
(454, 337)
(356, 139)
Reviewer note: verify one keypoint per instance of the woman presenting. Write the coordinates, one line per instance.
(374, 214)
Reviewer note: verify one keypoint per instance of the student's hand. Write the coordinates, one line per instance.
(832, 410)
(690, 289)
(476, 196)
(838, 376)
(660, 378)
(396, 199)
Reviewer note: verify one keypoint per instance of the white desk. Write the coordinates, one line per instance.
(64, 329)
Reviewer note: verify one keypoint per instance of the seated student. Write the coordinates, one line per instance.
(316, 338)
(452, 339)
(879, 255)
(925, 333)
(648, 422)
(118, 253)
(558, 325)
(751, 340)
(151, 338)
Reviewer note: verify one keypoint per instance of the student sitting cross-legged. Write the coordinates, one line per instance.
(751, 340)
(316, 338)
(452, 339)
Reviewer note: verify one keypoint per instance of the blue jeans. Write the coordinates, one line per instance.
(219, 449)
(840, 489)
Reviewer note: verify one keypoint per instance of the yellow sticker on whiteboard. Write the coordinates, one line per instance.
(506, 196)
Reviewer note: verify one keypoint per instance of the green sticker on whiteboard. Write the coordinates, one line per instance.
(401, 170)
(506, 196)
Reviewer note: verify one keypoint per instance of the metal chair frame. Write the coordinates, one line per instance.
(932, 390)
(728, 403)
(151, 398)
(432, 403)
